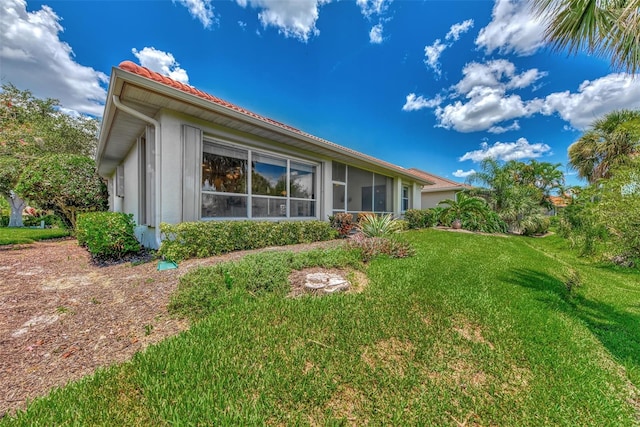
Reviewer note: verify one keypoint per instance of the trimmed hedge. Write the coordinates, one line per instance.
(208, 238)
(107, 234)
(421, 218)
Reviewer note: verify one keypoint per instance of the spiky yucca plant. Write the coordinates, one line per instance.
(379, 226)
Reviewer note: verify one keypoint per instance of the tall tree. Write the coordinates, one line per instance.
(517, 190)
(608, 28)
(31, 128)
(610, 142)
(65, 183)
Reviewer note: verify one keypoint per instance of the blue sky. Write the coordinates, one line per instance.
(436, 85)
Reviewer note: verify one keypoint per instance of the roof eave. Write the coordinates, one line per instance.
(119, 75)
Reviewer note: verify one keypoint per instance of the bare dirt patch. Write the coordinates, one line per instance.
(471, 332)
(392, 354)
(61, 316)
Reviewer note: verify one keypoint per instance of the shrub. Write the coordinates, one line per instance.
(378, 226)
(535, 225)
(371, 247)
(421, 218)
(488, 222)
(208, 238)
(342, 222)
(107, 234)
(363, 215)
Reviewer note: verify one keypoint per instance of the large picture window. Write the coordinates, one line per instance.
(224, 182)
(242, 183)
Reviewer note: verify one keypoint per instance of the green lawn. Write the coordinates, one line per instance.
(475, 330)
(10, 236)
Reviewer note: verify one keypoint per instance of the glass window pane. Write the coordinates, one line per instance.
(224, 169)
(221, 206)
(383, 194)
(303, 181)
(263, 207)
(359, 190)
(303, 208)
(268, 176)
(338, 197)
(339, 171)
(405, 198)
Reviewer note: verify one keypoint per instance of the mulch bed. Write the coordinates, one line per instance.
(62, 316)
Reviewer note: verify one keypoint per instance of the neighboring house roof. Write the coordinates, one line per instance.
(169, 91)
(438, 183)
(560, 201)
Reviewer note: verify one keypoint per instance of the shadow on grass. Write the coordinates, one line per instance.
(616, 329)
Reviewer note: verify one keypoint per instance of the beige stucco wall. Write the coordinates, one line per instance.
(431, 200)
(171, 173)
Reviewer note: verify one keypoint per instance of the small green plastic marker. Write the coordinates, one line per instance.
(166, 265)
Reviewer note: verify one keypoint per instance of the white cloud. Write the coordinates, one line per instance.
(371, 8)
(502, 129)
(375, 35)
(487, 103)
(414, 102)
(33, 57)
(463, 174)
(594, 99)
(485, 108)
(432, 56)
(433, 52)
(202, 10)
(499, 73)
(514, 28)
(483, 99)
(242, 25)
(521, 149)
(292, 18)
(161, 62)
(457, 29)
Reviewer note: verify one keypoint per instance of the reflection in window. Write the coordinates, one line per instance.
(268, 176)
(224, 169)
(280, 188)
(303, 182)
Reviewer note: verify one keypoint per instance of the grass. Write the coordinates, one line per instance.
(473, 329)
(12, 236)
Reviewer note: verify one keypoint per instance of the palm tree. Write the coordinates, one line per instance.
(545, 177)
(610, 142)
(608, 28)
(464, 204)
(497, 180)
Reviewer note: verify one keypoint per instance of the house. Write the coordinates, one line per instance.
(558, 203)
(437, 188)
(172, 153)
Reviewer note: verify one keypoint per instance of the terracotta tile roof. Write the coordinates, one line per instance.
(157, 77)
(438, 181)
(560, 201)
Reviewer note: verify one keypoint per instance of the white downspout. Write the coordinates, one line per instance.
(156, 125)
